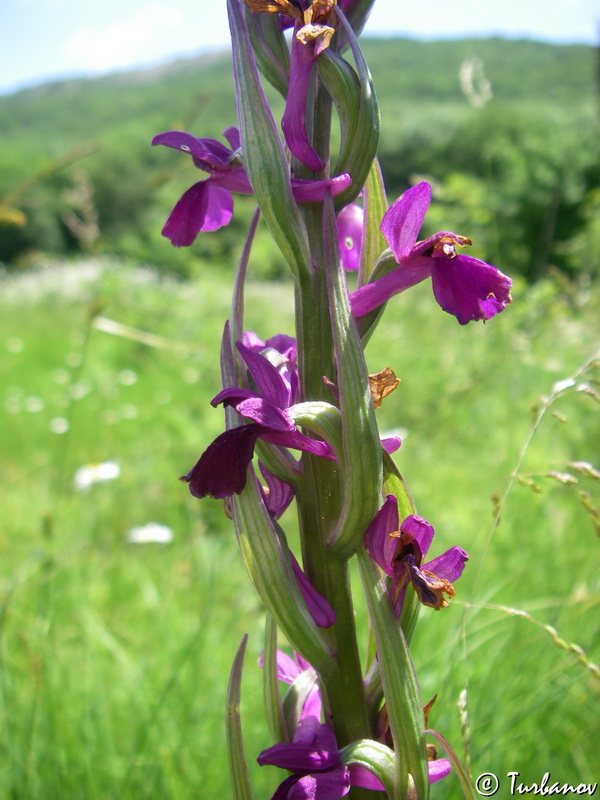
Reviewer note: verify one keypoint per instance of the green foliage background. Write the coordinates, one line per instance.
(114, 656)
(520, 176)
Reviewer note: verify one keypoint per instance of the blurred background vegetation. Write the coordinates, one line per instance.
(114, 654)
(506, 131)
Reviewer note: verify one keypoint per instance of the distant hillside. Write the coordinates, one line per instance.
(519, 174)
(404, 70)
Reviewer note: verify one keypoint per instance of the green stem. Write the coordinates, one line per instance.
(318, 487)
(319, 503)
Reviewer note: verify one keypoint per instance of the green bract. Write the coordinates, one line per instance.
(270, 49)
(238, 771)
(356, 102)
(264, 157)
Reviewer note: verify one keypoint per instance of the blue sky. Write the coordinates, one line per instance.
(42, 40)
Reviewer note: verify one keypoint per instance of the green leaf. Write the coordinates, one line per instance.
(266, 558)
(375, 757)
(357, 14)
(238, 769)
(465, 781)
(270, 49)
(364, 135)
(264, 157)
(341, 81)
(295, 697)
(361, 464)
(375, 206)
(323, 419)
(272, 695)
(393, 483)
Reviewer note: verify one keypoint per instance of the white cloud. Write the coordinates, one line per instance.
(125, 42)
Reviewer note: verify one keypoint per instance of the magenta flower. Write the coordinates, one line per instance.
(350, 235)
(313, 757)
(288, 670)
(282, 352)
(221, 470)
(277, 494)
(399, 549)
(208, 204)
(463, 286)
(308, 41)
(314, 761)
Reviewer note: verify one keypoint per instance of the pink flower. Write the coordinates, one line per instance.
(463, 286)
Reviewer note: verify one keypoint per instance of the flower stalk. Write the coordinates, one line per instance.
(300, 411)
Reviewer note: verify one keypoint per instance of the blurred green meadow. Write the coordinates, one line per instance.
(115, 654)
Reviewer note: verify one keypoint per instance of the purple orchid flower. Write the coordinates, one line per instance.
(318, 772)
(282, 351)
(288, 670)
(313, 757)
(221, 470)
(463, 286)
(350, 235)
(208, 204)
(277, 494)
(308, 42)
(399, 549)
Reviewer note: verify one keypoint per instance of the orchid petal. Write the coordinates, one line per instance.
(318, 605)
(420, 530)
(232, 134)
(266, 376)
(233, 395)
(287, 671)
(403, 220)
(266, 414)
(469, 288)
(209, 152)
(322, 786)
(449, 565)
(307, 731)
(360, 776)
(287, 668)
(293, 122)
(299, 756)
(375, 294)
(298, 441)
(256, 407)
(391, 443)
(350, 234)
(221, 469)
(201, 208)
(305, 191)
(280, 494)
(438, 769)
(378, 543)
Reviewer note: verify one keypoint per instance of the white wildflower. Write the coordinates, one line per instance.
(58, 425)
(89, 474)
(152, 532)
